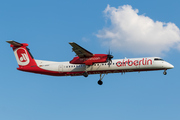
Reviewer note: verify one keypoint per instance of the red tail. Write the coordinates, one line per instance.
(22, 54)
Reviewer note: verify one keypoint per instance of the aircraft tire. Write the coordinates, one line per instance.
(165, 73)
(85, 74)
(100, 82)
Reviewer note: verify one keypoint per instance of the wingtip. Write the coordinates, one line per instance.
(72, 43)
(9, 41)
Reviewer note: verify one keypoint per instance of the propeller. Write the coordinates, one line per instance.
(109, 57)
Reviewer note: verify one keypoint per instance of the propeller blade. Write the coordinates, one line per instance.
(109, 57)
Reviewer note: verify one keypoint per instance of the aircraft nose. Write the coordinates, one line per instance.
(170, 66)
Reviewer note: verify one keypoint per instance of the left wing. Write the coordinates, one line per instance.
(81, 52)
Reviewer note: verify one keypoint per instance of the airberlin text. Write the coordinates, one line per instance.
(92, 58)
(129, 62)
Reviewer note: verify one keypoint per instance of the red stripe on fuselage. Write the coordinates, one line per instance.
(35, 69)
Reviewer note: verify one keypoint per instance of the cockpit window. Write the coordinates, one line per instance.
(158, 59)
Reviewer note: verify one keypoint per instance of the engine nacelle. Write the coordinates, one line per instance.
(97, 58)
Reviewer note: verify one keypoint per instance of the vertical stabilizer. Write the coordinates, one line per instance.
(22, 54)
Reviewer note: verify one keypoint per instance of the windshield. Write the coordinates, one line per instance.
(158, 59)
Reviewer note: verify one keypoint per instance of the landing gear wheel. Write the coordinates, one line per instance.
(165, 73)
(85, 74)
(100, 82)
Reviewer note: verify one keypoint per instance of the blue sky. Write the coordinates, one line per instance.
(48, 26)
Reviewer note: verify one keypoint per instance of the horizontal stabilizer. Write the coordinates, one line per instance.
(14, 43)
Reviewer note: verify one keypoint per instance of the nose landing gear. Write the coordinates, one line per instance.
(165, 73)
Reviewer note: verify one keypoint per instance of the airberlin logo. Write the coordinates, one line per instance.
(22, 56)
(129, 62)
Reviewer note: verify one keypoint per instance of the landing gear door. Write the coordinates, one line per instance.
(89, 68)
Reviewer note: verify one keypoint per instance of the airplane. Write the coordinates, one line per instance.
(85, 63)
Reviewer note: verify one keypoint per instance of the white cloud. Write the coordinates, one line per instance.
(138, 34)
(85, 39)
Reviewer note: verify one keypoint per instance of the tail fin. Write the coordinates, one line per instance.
(22, 54)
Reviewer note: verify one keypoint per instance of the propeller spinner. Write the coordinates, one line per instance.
(109, 57)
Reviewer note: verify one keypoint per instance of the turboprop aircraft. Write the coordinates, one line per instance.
(85, 63)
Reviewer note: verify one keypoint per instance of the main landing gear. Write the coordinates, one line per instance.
(85, 74)
(165, 73)
(100, 82)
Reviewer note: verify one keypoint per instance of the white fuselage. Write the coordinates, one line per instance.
(119, 65)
